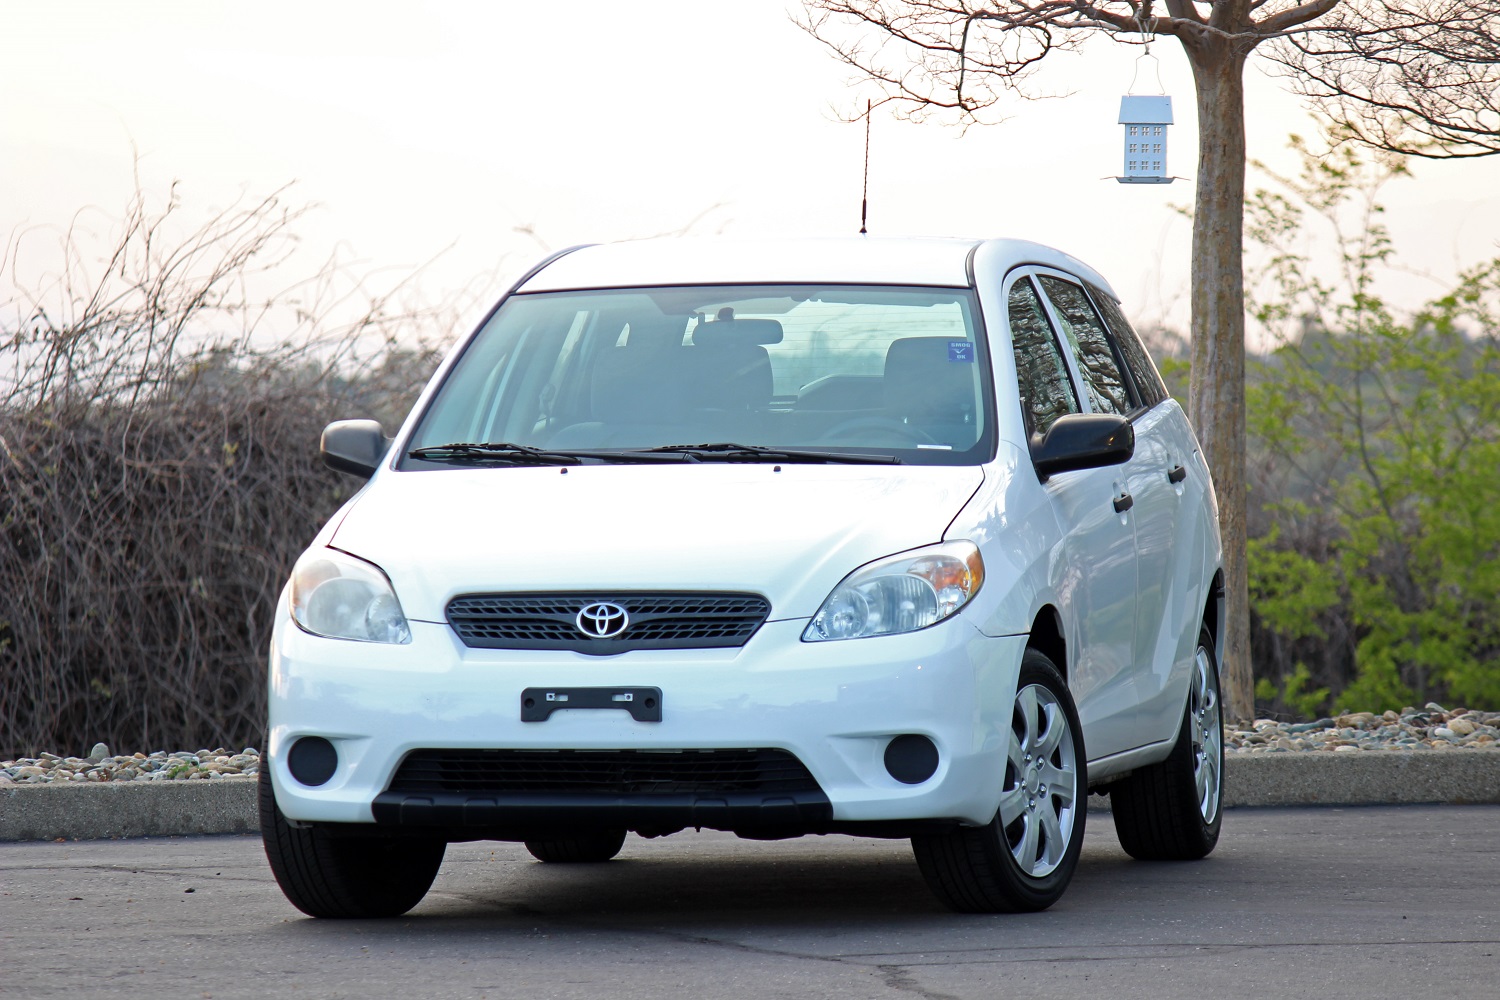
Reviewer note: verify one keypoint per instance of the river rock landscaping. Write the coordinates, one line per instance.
(101, 765)
(1430, 728)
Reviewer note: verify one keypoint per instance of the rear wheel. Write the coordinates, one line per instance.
(578, 850)
(328, 874)
(1171, 811)
(1024, 858)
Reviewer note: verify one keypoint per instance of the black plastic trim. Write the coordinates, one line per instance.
(806, 812)
(312, 761)
(726, 620)
(911, 759)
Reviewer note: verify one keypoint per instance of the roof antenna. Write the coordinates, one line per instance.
(864, 201)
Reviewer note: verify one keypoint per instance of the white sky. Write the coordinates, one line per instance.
(420, 127)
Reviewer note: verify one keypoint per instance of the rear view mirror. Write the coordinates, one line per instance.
(1082, 441)
(353, 446)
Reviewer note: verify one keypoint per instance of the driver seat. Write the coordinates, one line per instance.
(932, 386)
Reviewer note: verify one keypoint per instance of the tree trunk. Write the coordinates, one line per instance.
(1217, 396)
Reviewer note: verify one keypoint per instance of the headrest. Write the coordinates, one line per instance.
(943, 353)
(929, 372)
(737, 332)
(655, 333)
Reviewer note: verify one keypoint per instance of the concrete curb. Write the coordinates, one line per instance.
(112, 809)
(81, 811)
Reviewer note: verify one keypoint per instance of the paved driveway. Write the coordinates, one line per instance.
(1326, 903)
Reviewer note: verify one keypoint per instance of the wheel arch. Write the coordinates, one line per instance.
(1213, 615)
(1046, 637)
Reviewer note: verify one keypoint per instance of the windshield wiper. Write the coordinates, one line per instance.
(493, 451)
(506, 453)
(728, 451)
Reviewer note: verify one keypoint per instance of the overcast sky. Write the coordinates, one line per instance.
(424, 128)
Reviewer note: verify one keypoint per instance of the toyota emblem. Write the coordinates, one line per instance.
(602, 620)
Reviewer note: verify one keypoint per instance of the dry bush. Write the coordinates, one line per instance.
(158, 468)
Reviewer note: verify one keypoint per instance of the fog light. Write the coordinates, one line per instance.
(313, 760)
(911, 759)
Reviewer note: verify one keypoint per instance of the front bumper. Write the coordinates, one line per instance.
(834, 705)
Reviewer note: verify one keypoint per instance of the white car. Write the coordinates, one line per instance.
(893, 538)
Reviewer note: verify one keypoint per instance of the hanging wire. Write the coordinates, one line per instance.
(1156, 65)
(1141, 14)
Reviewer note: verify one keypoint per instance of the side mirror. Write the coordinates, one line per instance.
(353, 446)
(1082, 441)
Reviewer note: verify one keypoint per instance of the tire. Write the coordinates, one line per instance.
(1172, 811)
(325, 874)
(1024, 858)
(584, 849)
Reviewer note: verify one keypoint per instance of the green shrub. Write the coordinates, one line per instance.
(1381, 512)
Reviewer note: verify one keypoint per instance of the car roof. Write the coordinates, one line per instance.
(862, 260)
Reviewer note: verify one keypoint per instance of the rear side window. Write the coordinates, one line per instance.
(1042, 375)
(1103, 379)
(1147, 380)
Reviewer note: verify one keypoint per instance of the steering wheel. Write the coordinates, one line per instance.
(875, 427)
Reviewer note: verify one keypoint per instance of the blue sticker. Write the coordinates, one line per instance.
(961, 350)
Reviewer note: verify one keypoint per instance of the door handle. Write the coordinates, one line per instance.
(1124, 502)
(1177, 475)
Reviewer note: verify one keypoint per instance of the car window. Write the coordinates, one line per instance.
(896, 370)
(1147, 380)
(1041, 373)
(1106, 386)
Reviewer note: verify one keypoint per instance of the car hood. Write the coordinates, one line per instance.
(788, 532)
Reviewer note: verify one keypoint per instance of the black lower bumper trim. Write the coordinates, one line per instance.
(805, 812)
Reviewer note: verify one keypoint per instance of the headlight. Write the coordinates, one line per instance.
(900, 594)
(341, 597)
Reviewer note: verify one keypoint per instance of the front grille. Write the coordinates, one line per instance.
(657, 620)
(610, 772)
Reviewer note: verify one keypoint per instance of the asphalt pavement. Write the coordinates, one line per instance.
(1355, 902)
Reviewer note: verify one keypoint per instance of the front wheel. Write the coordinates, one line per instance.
(1171, 811)
(328, 874)
(1024, 858)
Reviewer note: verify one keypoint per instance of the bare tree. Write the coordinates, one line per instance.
(158, 402)
(958, 58)
(1416, 78)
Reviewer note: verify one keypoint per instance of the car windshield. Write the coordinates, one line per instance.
(895, 373)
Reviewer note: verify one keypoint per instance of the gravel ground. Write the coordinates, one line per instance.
(101, 765)
(1431, 728)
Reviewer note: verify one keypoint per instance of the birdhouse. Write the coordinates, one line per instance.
(1145, 119)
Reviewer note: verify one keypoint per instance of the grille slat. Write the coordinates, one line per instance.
(657, 620)
(613, 772)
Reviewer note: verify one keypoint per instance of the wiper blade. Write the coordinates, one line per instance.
(729, 451)
(493, 451)
(505, 452)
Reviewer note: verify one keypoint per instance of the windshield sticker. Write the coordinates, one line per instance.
(961, 350)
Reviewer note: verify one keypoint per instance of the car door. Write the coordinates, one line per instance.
(1118, 386)
(1172, 589)
(1094, 566)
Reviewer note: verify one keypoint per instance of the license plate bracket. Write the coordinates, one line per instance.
(643, 703)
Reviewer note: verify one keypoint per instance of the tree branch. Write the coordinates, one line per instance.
(1421, 78)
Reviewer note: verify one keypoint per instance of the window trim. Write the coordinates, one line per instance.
(1142, 406)
(1022, 273)
(1136, 399)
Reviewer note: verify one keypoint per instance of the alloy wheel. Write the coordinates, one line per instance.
(1039, 801)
